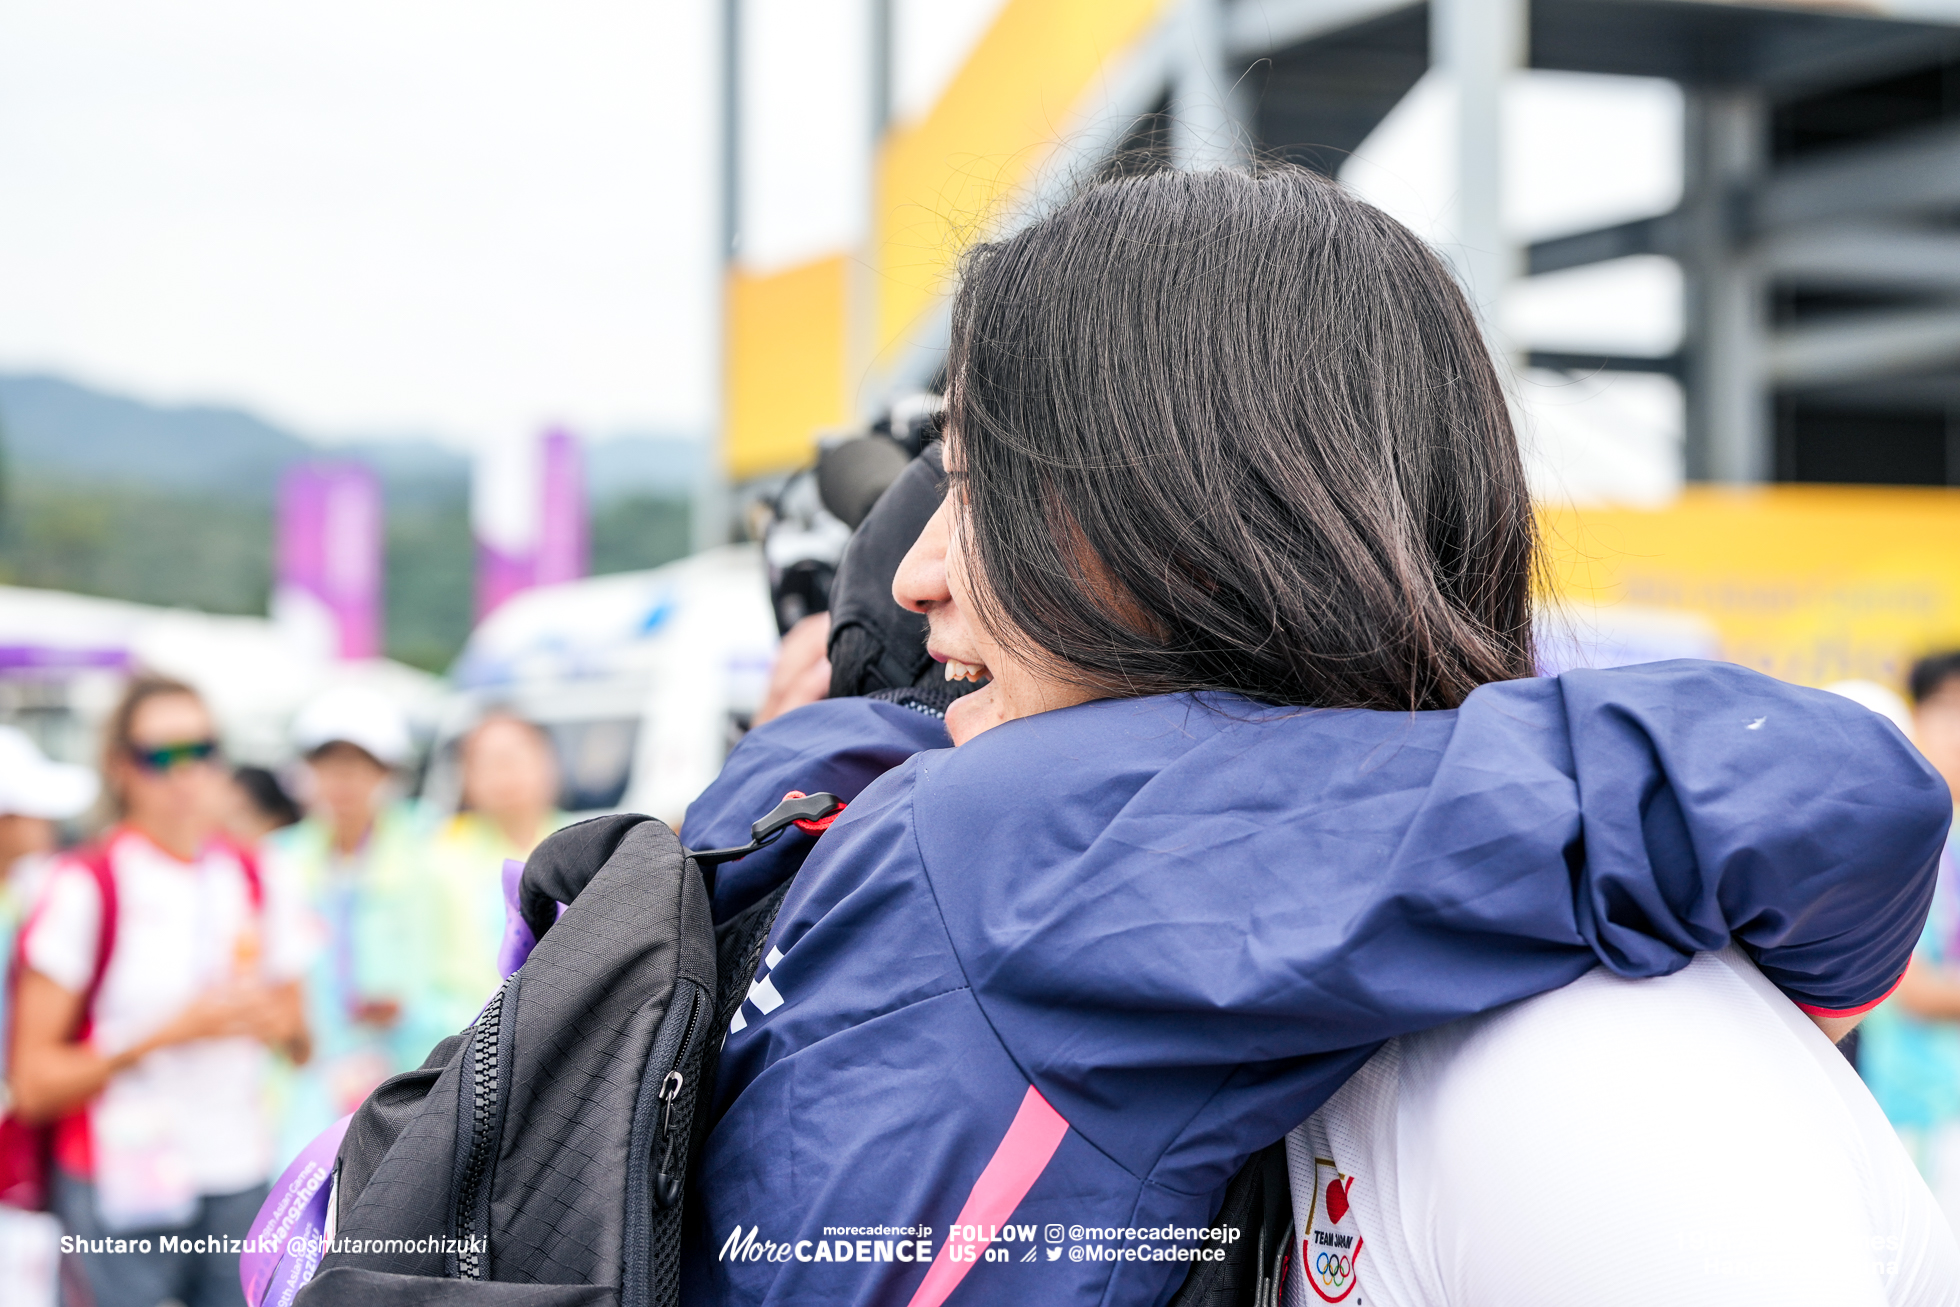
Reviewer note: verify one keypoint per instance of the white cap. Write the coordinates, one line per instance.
(356, 715)
(31, 786)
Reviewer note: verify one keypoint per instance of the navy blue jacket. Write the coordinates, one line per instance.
(1073, 973)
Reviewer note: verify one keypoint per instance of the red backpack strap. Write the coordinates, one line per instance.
(248, 862)
(94, 858)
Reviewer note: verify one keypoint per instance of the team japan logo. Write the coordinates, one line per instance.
(1330, 1249)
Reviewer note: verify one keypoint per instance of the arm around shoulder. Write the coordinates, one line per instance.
(1721, 804)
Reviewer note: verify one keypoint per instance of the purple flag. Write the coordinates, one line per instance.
(563, 543)
(498, 576)
(528, 512)
(328, 587)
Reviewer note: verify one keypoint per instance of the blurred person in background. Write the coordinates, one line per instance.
(35, 795)
(510, 803)
(1909, 1049)
(1892, 706)
(801, 672)
(358, 859)
(259, 805)
(158, 970)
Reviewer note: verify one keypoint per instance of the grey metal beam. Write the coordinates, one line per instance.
(1914, 174)
(1728, 436)
(1865, 346)
(1480, 45)
(1203, 132)
(711, 521)
(1559, 360)
(1657, 235)
(1927, 390)
(1874, 255)
(1261, 27)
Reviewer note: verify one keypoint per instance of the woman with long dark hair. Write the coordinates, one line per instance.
(1236, 537)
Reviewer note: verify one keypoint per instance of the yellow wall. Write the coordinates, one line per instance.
(1812, 584)
(938, 182)
(943, 179)
(786, 363)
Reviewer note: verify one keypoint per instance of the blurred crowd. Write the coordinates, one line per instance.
(221, 963)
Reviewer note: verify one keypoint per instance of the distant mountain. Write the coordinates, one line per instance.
(407, 465)
(58, 429)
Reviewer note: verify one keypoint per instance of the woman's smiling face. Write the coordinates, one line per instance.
(937, 578)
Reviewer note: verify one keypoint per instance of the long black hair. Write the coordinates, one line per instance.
(1238, 430)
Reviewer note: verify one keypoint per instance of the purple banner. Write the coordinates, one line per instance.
(528, 512)
(329, 557)
(288, 1239)
(563, 534)
(498, 576)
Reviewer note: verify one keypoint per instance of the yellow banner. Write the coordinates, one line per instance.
(786, 363)
(1812, 584)
(942, 181)
(800, 341)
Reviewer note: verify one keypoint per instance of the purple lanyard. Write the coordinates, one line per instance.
(287, 1240)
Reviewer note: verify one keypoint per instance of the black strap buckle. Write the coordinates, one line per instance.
(804, 807)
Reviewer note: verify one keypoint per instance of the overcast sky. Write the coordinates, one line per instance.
(456, 217)
(466, 219)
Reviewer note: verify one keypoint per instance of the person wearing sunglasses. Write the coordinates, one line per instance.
(156, 973)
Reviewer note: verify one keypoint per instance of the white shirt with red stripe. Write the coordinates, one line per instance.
(1685, 1140)
(181, 927)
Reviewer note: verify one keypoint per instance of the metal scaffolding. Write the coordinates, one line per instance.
(1819, 226)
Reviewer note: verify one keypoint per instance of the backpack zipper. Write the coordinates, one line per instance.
(476, 1165)
(656, 1182)
(666, 1185)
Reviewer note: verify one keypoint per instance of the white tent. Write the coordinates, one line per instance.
(64, 656)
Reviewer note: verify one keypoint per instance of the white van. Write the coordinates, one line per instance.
(644, 680)
(64, 659)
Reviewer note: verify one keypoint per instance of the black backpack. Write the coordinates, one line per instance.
(540, 1156)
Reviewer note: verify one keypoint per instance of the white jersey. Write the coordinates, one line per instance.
(1686, 1140)
(181, 927)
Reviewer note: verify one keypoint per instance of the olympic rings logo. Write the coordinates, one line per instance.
(1331, 1268)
